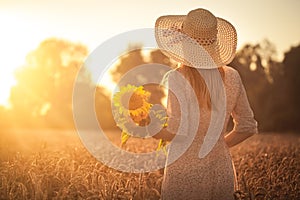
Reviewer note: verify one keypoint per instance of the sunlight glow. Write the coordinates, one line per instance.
(7, 81)
(13, 51)
(108, 83)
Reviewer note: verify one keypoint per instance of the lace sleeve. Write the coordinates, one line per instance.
(242, 114)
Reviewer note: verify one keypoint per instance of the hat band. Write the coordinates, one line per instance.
(203, 41)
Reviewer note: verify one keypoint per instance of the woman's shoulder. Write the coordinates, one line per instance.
(230, 70)
(232, 78)
(231, 73)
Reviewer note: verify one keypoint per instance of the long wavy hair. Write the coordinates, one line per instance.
(198, 84)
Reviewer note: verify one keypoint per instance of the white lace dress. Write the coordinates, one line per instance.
(211, 177)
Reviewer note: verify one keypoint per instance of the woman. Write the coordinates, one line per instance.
(203, 45)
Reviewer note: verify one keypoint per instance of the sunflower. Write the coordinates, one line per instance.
(132, 100)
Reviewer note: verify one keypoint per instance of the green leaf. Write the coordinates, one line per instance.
(124, 137)
(162, 146)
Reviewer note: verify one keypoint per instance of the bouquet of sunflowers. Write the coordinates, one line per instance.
(133, 110)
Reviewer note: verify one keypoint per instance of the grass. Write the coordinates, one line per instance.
(55, 165)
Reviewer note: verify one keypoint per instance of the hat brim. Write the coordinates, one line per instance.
(184, 49)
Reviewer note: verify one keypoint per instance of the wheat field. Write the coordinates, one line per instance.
(55, 165)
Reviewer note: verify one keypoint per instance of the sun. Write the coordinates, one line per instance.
(7, 81)
(15, 45)
(9, 63)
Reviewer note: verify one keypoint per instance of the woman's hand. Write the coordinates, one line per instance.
(164, 134)
(158, 135)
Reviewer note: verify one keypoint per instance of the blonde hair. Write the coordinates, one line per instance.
(198, 84)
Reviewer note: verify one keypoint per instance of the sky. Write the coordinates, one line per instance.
(24, 24)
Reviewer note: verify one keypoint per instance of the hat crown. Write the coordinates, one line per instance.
(200, 24)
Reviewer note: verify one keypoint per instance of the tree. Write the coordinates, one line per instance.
(135, 58)
(103, 109)
(291, 85)
(272, 86)
(261, 72)
(130, 60)
(43, 93)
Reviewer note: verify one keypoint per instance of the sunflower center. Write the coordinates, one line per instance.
(135, 102)
(132, 101)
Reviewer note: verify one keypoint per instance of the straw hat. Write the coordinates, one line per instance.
(198, 39)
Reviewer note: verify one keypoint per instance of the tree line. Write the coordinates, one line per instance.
(42, 97)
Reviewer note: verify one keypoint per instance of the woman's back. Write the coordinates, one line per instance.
(213, 176)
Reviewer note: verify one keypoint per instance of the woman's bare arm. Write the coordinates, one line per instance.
(164, 134)
(233, 138)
